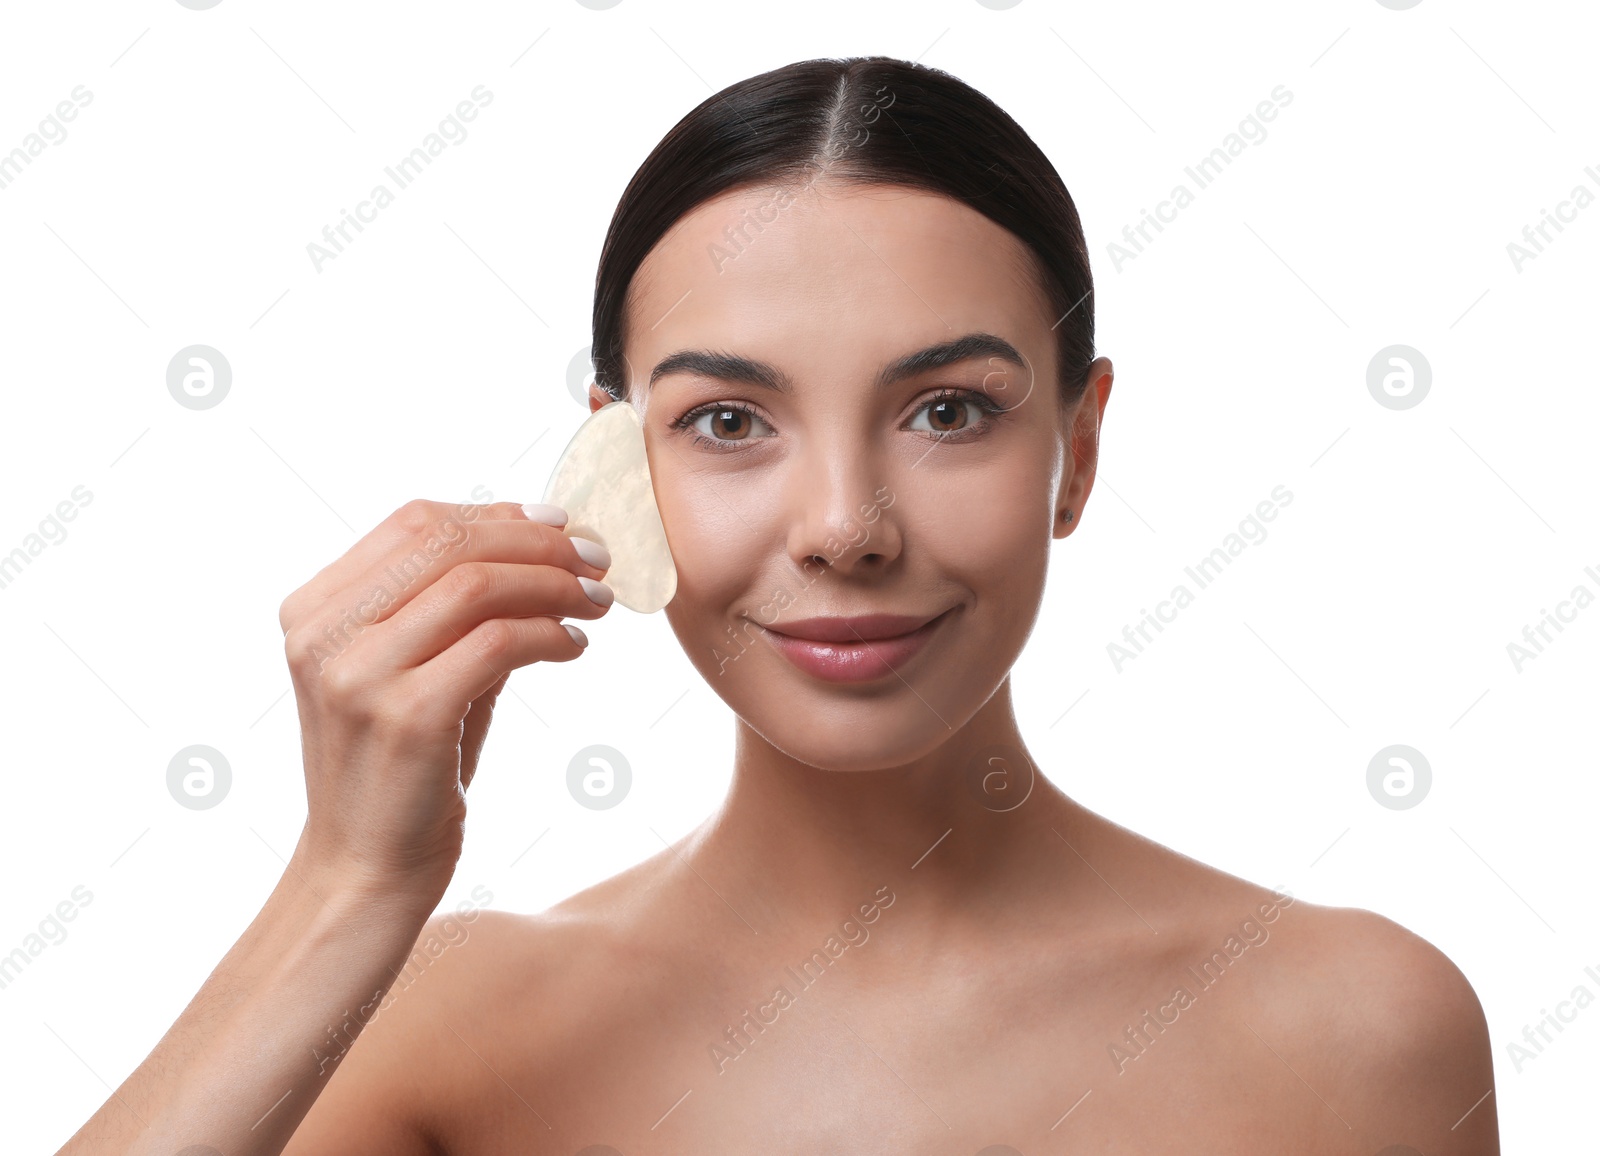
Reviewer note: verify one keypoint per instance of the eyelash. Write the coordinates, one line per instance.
(983, 401)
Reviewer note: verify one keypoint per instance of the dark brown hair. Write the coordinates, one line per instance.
(859, 120)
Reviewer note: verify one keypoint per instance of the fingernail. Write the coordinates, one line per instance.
(578, 636)
(592, 552)
(543, 512)
(599, 593)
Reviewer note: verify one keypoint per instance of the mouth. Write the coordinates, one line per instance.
(861, 648)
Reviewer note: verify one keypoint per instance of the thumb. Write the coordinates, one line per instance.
(475, 728)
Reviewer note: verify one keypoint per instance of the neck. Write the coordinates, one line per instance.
(810, 845)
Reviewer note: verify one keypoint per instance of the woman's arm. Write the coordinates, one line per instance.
(397, 651)
(244, 1062)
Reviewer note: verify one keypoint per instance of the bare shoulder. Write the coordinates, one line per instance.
(1368, 1032)
(486, 1001)
(521, 976)
(1373, 974)
(1382, 1025)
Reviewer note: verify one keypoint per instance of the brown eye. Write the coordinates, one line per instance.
(730, 424)
(947, 416)
(951, 413)
(723, 425)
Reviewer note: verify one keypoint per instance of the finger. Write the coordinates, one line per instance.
(420, 562)
(449, 683)
(413, 524)
(471, 594)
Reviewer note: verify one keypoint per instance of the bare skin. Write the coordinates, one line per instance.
(990, 1002)
(946, 1029)
(991, 964)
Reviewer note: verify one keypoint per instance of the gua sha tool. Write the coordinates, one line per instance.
(602, 480)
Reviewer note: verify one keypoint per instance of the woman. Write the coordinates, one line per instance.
(852, 303)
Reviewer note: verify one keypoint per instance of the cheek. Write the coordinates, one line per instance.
(713, 532)
(990, 526)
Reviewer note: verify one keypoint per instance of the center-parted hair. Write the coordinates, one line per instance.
(868, 120)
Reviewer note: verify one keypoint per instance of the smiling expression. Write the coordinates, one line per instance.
(851, 410)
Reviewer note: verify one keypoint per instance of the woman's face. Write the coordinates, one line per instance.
(805, 469)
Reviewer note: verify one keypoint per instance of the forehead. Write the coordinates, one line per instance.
(838, 275)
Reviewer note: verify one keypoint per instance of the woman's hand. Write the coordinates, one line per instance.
(397, 652)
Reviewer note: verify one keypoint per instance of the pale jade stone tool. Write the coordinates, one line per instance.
(602, 481)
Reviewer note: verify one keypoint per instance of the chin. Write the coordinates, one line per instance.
(878, 733)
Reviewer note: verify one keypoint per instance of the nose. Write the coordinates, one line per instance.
(841, 518)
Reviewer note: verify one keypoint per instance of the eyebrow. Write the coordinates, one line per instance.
(746, 371)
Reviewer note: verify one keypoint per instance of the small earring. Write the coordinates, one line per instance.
(1066, 515)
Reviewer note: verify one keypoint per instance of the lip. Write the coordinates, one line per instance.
(855, 649)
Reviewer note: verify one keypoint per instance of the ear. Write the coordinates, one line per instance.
(1081, 438)
(598, 397)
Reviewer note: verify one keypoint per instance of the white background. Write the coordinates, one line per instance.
(431, 357)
